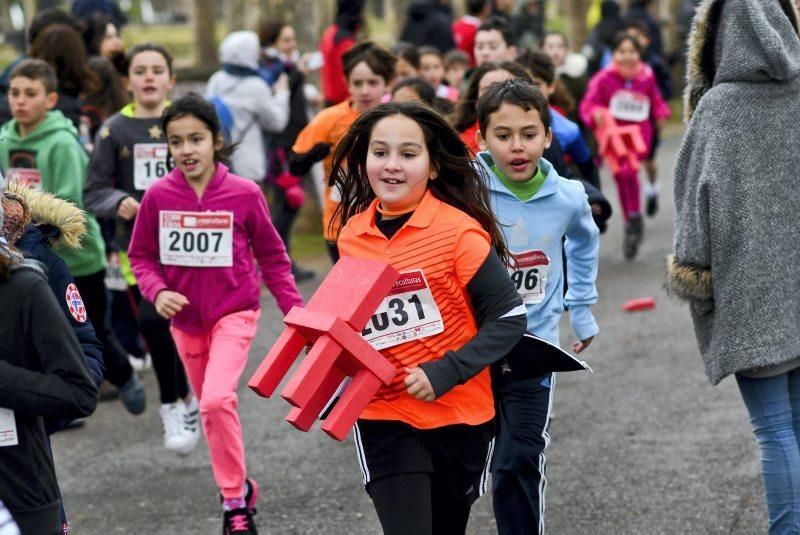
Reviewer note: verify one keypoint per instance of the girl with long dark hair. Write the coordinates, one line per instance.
(412, 197)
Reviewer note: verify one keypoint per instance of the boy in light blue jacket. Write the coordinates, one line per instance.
(542, 216)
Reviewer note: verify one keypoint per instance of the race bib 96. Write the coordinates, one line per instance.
(198, 239)
(530, 276)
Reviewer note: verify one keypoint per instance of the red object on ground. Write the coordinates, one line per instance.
(332, 322)
(619, 143)
(644, 303)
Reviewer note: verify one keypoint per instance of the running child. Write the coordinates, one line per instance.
(431, 67)
(494, 41)
(130, 155)
(569, 134)
(465, 117)
(456, 66)
(425, 440)
(407, 61)
(537, 210)
(628, 88)
(571, 77)
(192, 252)
(368, 69)
(660, 67)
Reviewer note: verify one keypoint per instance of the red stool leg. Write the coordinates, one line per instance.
(355, 397)
(276, 364)
(306, 381)
(304, 417)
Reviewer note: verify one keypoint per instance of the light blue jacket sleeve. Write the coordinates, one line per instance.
(582, 248)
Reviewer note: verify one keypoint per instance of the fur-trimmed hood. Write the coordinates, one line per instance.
(47, 209)
(759, 42)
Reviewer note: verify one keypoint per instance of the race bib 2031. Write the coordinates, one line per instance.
(408, 313)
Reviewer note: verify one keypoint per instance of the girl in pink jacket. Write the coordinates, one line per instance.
(628, 88)
(192, 252)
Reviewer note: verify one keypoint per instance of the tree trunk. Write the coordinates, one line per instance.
(237, 15)
(5, 18)
(309, 18)
(576, 21)
(205, 23)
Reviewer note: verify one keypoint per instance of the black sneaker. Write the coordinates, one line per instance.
(634, 231)
(251, 496)
(651, 207)
(238, 522)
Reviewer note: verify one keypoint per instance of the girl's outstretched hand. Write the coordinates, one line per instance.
(418, 384)
(169, 303)
(577, 347)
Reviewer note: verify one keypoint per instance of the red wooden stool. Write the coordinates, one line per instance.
(619, 143)
(332, 323)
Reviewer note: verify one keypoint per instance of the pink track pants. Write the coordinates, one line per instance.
(214, 362)
(628, 190)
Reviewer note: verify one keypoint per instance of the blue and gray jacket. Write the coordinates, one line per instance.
(558, 218)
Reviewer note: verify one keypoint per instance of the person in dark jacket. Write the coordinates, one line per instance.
(280, 55)
(34, 242)
(84, 9)
(598, 44)
(639, 10)
(63, 223)
(429, 22)
(664, 78)
(43, 374)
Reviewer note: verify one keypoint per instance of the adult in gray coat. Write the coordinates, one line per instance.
(737, 236)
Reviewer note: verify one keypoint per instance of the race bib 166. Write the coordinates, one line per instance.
(149, 164)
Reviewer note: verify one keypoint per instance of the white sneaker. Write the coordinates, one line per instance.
(141, 364)
(191, 423)
(175, 436)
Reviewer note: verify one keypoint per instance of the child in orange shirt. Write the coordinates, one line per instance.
(369, 69)
(411, 197)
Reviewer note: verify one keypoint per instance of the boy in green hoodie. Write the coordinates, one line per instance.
(40, 147)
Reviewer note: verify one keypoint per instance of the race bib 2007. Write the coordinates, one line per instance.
(530, 276)
(630, 106)
(198, 239)
(149, 164)
(408, 313)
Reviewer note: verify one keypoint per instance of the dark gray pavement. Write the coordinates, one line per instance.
(642, 445)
